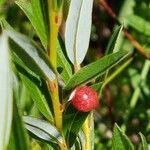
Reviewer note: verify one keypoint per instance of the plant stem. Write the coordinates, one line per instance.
(53, 88)
(55, 17)
(88, 128)
(76, 68)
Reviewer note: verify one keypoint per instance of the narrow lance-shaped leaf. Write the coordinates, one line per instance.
(28, 50)
(144, 143)
(120, 141)
(31, 55)
(139, 24)
(34, 12)
(62, 62)
(42, 129)
(66, 8)
(78, 29)
(37, 97)
(73, 121)
(6, 97)
(96, 68)
(18, 131)
(63, 65)
(114, 40)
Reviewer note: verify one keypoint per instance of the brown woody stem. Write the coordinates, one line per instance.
(140, 49)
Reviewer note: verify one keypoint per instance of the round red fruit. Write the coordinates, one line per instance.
(84, 99)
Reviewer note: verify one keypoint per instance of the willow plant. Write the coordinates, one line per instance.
(51, 70)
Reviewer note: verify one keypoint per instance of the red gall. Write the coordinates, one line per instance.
(84, 99)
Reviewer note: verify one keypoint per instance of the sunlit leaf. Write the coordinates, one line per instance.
(31, 55)
(96, 68)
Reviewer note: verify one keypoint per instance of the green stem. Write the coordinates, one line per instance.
(53, 88)
(55, 17)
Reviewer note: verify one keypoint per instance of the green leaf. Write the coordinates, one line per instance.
(144, 143)
(97, 87)
(63, 64)
(123, 13)
(114, 40)
(37, 97)
(19, 132)
(66, 8)
(6, 96)
(34, 87)
(139, 24)
(18, 61)
(78, 24)
(95, 69)
(43, 130)
(33, 11)
(21, 60)
(73, 121)
(114, 43)
(38, 89)
(5, 25)
(120, 141)
(31, 55)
